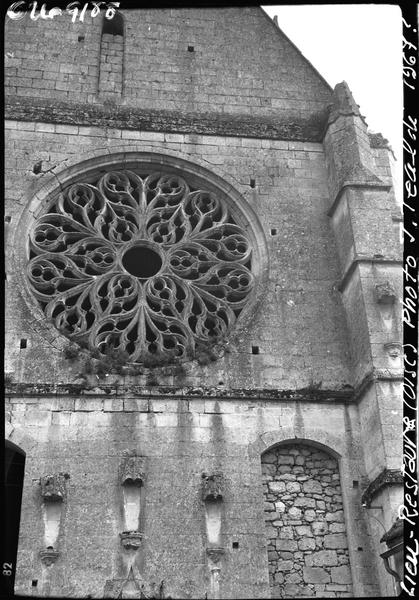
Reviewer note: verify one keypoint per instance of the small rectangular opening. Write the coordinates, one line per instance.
(255, 349)
(7, 219)
(191, 49)
(34, 582)
(274, 231)
(252, 182)
(81, 38)
(355, 484)
(23, 343)
(37, 168)
(360, 549)
(235, 545)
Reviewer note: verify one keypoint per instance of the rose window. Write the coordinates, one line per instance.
(147, 264)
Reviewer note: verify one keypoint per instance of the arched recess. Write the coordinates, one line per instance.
(305, 527)
(14, 474)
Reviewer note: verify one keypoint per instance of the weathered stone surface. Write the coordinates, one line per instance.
(285, 565)
(309, 515)
(293, 486)
(306, 544)
(335, 516)
(294, 513)
(315, 575)
(341, 575)
(285, 460)
(326, 558)
(337, 527)
(319, 527)
(312, 487)
(303, 530)
(286, 532)
(335, 540)
(293, 578)
(286, 544)
(290, 590)
(277, 487)
(305, 502)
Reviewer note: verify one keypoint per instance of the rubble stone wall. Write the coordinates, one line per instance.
(307, 545)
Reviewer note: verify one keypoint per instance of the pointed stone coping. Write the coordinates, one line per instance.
(145, 589)
(344, 104)
(384, 479)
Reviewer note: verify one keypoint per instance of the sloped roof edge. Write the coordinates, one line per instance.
(281, 32)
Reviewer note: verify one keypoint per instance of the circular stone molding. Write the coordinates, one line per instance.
(149, 260)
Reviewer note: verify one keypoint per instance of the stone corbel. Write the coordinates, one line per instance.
(212, 486)
(131, 540)
(215, 554)
(385, 293)
(53, 488)
(393, 349)
(49, 556)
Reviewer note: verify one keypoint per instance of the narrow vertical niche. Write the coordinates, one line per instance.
(111, 59)
(132, 492)
(52, 518)
(131, 477)
(213, 520)
(212, 495)
(53, 493)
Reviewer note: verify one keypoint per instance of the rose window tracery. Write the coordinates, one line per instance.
(145, 263)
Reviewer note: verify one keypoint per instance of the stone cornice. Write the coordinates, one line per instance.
(347, 395)
(365, 259)
(360, 183)
(285, 127)
(25, 390)
(91, 115)
(384, 479)
(377, 375)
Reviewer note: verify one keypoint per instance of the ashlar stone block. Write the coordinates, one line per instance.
(322, 558)
(315, 575)
(341, 574)
(335, 540)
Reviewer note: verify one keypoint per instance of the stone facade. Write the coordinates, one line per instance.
(305, 526)
(219, 96)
